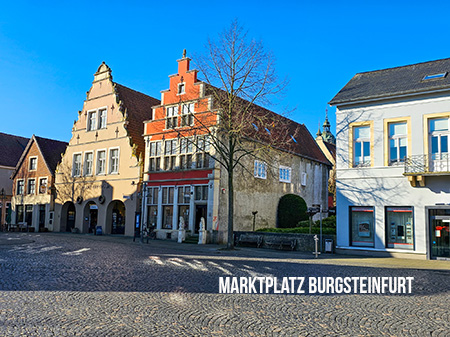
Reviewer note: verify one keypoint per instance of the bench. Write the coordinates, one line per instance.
(250, 239)
(280, 243)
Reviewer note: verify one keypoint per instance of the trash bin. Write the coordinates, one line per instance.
(328, 246)
(98, 230)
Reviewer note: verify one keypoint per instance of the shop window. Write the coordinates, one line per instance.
(167, 202)
(362, 226)
(201, 193)
(399, 227)
(184, 197)
(152, 208)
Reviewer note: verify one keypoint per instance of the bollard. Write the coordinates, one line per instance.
(316, 252)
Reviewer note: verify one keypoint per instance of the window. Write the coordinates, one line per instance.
(260, 170)
(187, 117)
(361, 146)
(20, 214)
(439, 138)
(184, 197)
(43, 185)
(285, 174)
(20, 187)
(33, 163)
(113, 161)
(171, 117)
(152, 208)
(202, 155)
(167, 202)
(201, 193)
(102, 119)
(181, 88)
(170, 151)
(155, 156)
(76, 167)
(101, 162)
(186, 153)
(31, 189)
(434, 76)
(362, 226)
(92, 121)
(397, 142)
(399, 227)
(88, 163)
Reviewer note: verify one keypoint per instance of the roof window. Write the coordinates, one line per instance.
(267, 130)
(255, 126)
(434, 76)
(293, 138)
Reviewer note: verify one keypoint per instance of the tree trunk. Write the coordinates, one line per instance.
(230, 240)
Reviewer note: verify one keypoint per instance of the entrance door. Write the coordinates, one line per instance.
(41, 218)
(200, 212)
(93, 215)
(70, 218)
(439, 236)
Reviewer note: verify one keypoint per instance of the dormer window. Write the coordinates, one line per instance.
(434, 76)
(181, 88)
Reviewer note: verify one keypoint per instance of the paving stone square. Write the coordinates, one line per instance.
(55, 284)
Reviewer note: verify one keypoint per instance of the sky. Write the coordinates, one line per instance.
(49, 50)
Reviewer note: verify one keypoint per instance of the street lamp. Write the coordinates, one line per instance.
(3, 207)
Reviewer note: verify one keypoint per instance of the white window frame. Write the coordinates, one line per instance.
(46, 185)
(73, 164)
(396, 139)
(100, 119)
(362, 141)
(86, 166)
(172, 117)
(153, 158)
(97, 162)
(285, 174)
(29, 163)
(28, 186)
(110, 165)
(187, 114)
(89, 119)
(23, 186)
(260, 169)
(171, 163)
(438, 155)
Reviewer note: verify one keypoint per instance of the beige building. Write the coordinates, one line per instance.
(98, 178)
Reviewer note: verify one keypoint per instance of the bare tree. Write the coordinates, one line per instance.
(71, 186)
(239, 74)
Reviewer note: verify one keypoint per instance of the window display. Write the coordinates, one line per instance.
(362, 231)
(399, 227)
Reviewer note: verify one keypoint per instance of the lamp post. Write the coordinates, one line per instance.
(3, 207)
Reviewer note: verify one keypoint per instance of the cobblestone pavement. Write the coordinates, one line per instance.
(79, 285)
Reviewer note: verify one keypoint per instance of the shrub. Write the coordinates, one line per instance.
(291, 209)
(327, 222)
(299, 230)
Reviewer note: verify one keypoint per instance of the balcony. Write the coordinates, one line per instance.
(417, 167)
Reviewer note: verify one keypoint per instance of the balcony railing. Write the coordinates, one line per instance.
(423, 164)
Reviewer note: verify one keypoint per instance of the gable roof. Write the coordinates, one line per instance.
(396, 81)
(290, 136)
(50, 149)
(139, 109)
(11, 148)
(331, 148)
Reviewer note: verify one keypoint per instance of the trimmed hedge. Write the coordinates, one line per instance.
(300, 230)
(291, 209)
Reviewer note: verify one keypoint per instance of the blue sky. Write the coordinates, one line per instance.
(50, 50)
